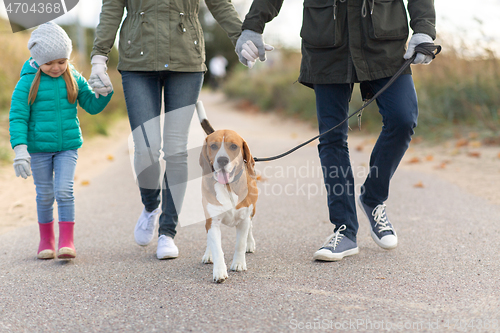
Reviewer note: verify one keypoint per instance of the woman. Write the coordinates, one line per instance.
(161, 50)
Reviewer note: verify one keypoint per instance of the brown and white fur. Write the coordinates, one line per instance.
(229, 195)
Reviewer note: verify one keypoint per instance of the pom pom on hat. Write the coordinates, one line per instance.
(49, 42)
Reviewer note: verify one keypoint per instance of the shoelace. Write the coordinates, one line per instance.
(149, 221)
(334, 239)
(380, 218)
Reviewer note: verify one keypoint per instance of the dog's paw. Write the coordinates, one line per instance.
(250, 246)
(220, 274)
(239, 266)
(207, 258)
(250, 242)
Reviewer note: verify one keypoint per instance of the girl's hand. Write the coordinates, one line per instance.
(22, 161)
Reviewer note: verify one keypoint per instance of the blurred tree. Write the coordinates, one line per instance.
(216, 41)
(89, 35)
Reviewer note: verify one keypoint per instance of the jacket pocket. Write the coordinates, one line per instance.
(320, 26)
(388, 20)
(131, 36)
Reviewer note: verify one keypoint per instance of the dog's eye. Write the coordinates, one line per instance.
(233, 147)
(214, 146)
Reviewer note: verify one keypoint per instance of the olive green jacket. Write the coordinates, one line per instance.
(160, 35)
(347, 41)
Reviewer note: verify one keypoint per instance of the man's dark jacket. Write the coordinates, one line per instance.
(347, 41)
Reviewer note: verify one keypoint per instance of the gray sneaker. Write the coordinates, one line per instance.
(382, 231)
(336, 247)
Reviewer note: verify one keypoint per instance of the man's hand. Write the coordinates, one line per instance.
(415, 40)
(99, 80)
(22, 161)
(251, 46)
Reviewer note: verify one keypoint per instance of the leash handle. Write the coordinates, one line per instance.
(424, 48)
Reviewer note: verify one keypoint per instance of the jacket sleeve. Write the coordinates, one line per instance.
(422, 17)
(19, 114)
(86, 97)
(227, 17)
(261, 12)
(109, 22)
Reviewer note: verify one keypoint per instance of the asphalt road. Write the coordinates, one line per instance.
(444, 275)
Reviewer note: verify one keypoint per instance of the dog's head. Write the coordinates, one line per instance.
(226, 154)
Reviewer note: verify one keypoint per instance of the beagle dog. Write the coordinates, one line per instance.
(229, 195)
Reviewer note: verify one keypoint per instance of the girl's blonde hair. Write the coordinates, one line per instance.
(71, 86)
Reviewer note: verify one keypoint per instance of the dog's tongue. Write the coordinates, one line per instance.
(222, 177)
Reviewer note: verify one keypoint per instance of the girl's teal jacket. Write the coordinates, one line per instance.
(51, 123)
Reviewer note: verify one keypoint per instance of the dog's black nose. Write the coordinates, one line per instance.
(222, 161)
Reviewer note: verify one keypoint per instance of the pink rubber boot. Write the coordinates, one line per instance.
(47, 247)
(66, 246)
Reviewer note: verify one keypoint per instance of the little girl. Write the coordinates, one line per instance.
(45, 131)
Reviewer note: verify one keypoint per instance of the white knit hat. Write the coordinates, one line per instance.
(49, 42)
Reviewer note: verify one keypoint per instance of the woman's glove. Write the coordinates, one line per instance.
(99, 80)
(250, 46)
(22, 161)
(415, 40)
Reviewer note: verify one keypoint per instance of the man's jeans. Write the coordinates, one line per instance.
(54, 174)
(398, 107)
(143, 96)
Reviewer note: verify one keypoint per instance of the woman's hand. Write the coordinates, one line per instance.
(99, 80)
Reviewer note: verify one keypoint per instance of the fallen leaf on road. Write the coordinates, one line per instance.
(461, 143)
(441, 166)
(474, 154)
(414, 160)
(359, 148)
(85, 183)
(429, 158)
(110, 158)
(419, 185)
(475, 144)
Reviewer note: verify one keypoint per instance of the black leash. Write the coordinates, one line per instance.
(424, 48)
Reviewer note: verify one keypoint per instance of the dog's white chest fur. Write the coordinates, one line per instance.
(227, 212)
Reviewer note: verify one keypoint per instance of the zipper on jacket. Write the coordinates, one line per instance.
(142, 22)
(59, 115)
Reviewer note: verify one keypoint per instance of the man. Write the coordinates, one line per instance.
(345, 42)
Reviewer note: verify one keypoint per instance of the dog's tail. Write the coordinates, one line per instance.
(202, 115)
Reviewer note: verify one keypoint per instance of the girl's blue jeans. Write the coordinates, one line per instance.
(399, 110)
(53, 174)
(156, 138)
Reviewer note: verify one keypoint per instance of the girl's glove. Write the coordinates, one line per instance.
(22, 161)
(250, 46)
(99, 80)
(415, 40)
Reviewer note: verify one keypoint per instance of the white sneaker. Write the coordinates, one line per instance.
(166, 248)
(145, 227)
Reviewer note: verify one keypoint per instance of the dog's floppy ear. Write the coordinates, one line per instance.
(247, 156)
(205, 164)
